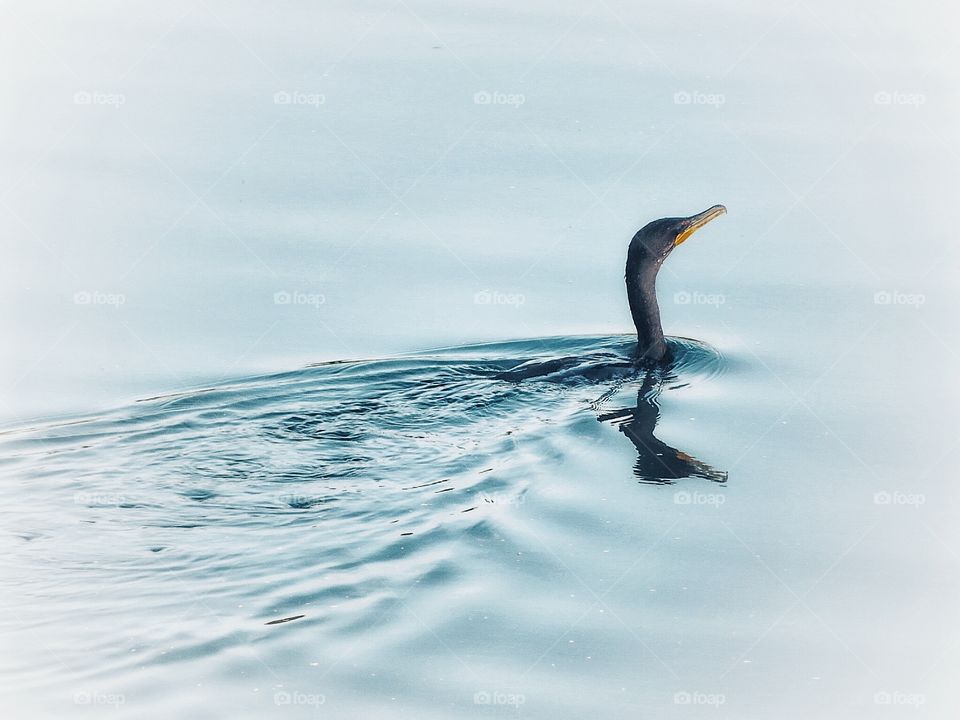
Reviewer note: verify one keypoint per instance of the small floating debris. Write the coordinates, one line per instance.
(284, 620)
(435, 482)
(406, 533)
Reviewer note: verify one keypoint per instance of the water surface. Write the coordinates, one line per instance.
(236, 482)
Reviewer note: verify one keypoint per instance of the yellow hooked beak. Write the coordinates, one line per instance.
(695, 222)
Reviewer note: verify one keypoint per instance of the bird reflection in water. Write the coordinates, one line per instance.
(657, 463)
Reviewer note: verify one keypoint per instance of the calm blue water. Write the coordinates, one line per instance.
(236, 481)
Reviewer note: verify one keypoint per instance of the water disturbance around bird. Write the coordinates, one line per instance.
(344, 481)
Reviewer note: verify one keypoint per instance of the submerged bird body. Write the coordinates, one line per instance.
(648, 249)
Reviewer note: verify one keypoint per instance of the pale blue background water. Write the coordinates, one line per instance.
(182, 198)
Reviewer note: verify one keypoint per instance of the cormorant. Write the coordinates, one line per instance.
(648, 249)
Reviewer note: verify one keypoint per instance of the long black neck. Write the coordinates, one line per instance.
(642, 295)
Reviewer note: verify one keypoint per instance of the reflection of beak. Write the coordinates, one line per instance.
(695, 222)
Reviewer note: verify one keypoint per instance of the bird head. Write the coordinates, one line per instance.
(656, 240)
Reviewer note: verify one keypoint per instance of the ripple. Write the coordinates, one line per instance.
(317, 496)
